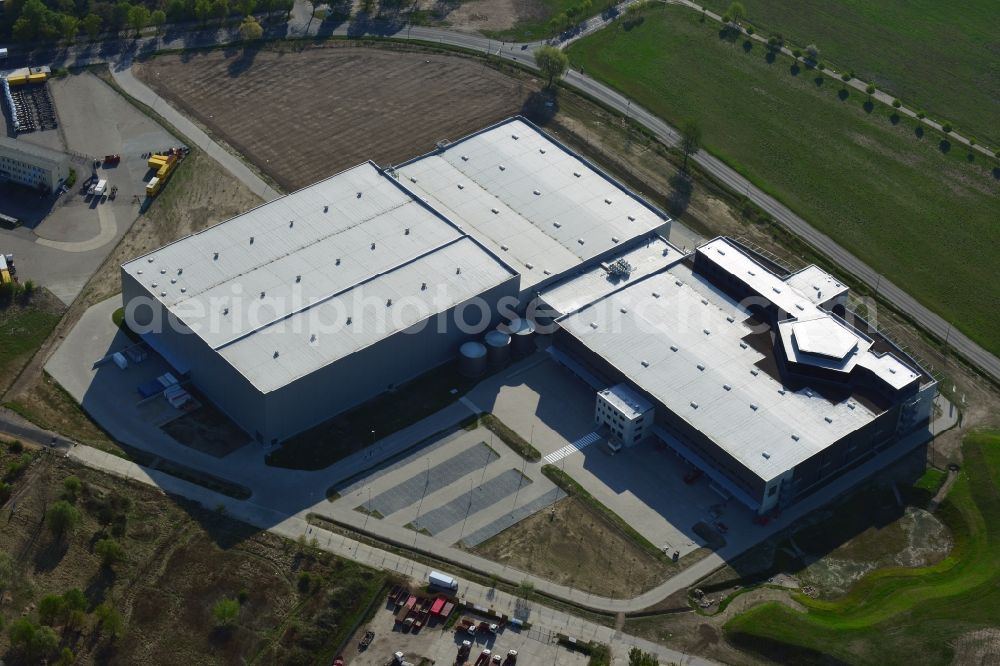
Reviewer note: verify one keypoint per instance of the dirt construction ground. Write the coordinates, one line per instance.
(303, 116)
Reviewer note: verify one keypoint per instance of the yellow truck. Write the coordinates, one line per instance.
(164, 165)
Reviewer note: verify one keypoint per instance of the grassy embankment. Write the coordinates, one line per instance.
(937, 56)
(914, 207)
(898, 615)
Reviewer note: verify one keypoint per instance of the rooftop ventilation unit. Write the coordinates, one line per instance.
(580, 241)
(349, 321)
(163, 293)
(337, 263)
(225, 311)
(743, 345)
(767, 456)
(423, 286)
(607, 201)
(251, 240)
(458, 271)
(163, 271)
(326, 209)
(155, 285)
(557, 225)
(614, 239)
(180, 270)
(656, 294)
(620, 268)
(275, 354)
(730, 319)
(795, 437)
(673, 348)
(541, 150)
(298, 278)
(291, 223)
(645, 364)
(753, 406)
(359, 195)
(514, 136)
(373, 246)
(631, 218)
(624, 310)
(528, 266)
(502, 167)
(828, 419)
(312, 338)
(537, 193)
(754, 372)
(149, 259)
(704, 301)
(504, 248)
(215, 256)
(727, 387)
(461, 187)
(465, 158)
(262, 294)
(547, 272)
(706, 331)
(388, 302)
(701, 367)
(406, 232)
(495, 211)
(694, 404)
(576, 173)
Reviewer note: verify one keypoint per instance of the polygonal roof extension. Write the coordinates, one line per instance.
(823, 336)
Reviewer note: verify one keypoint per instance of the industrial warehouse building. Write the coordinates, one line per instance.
(32, 166)
(754, 377)
(308, 305)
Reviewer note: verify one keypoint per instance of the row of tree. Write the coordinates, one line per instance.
(53, 20)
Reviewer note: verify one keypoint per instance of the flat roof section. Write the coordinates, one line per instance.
(258, 287)
(288, 349)
(680, 340)
(816, 284)
(39, 153)
(532, 201)
(627, 401)
(824, 337)
(575, 291)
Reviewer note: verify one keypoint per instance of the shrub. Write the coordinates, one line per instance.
(225, 611)
(845, 77)
(921, 115)
(946, 128)
(812, 51)
(305, 582)
(797, 53)
(870, 88)
(772, 41)
(16, 446)
(51, 609)
(5, 492)
(726, 18)
(62, 517)
(71, 488)
(972, 141)
(750, 29)
(110, 551)
(820, 66)
(997, 154)
(896, 104)
(110, 620)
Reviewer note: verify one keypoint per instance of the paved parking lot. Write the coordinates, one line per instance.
(65, 239)
(643, 484)
(534, 647)
(468, 481)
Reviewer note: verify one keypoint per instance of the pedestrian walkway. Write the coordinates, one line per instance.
(570, 449)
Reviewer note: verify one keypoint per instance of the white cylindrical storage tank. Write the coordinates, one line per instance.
(522, 333)
(497, 347)
(472, 359)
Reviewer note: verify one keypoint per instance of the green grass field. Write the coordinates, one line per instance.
(904, 616)
(922, 216)
(536, 25)
(22, 330)
(943, 57)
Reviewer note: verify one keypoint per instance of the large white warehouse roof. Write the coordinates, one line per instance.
(680, 339)
(537, 205)
(297, 283)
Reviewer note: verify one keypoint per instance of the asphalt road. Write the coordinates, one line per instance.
(121, 53)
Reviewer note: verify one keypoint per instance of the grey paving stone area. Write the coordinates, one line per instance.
(466, 504)
(513, 517)
(426, 482)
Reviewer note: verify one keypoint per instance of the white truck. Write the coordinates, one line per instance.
(438, 579)
(101, 188)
